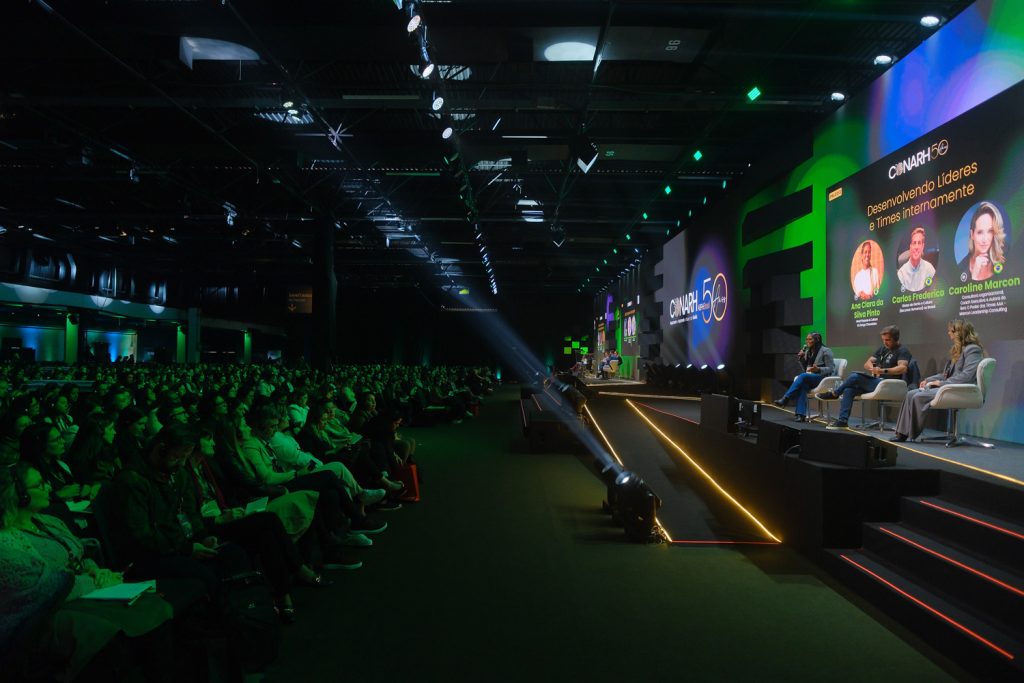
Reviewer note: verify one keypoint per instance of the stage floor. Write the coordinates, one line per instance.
(595, 382)
(689, 518)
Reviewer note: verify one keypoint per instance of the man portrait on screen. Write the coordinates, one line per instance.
(986, 243)
(916, 273)
(866, 282)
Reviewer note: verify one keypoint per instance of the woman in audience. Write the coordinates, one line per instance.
(43, 447)
(93, 456)
(12, 427)
(44, 565)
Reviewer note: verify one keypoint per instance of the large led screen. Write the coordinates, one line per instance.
(929, 233)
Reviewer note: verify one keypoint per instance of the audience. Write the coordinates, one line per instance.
(195, 474)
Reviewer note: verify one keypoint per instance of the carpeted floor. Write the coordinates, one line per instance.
(508, 571)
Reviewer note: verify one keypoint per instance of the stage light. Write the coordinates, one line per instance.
(704, 367)
(615, 250)
(720, 366)
(635, 505)
(754, 93)
(437, 103)
(697, 156)
(427, 70)
(883, 60)
(605, 261)
(668, 189)
(838, 96)
(293, 112)
(288, 104)
(645, 215)
(414, 21)
(930, 21)
(447, 132)
(628, 236)
(724, 183)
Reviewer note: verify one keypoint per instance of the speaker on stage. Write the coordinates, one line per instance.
(846, 448)
(718, 412)
(777, 438)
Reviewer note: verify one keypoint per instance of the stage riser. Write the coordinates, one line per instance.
(811, 505)
(980, 661)
(1002, 550)
(998, 605)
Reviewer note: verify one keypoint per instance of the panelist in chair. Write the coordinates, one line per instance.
(818, 363)
(890, 361)
(962, 368)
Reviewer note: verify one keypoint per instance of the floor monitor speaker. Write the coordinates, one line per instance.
(718, 412)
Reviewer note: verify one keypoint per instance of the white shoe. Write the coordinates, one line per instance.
(357, 540)
(371, 496)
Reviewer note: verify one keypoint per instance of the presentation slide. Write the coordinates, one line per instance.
(927, 234)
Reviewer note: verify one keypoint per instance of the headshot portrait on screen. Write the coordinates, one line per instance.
(985, 236)
(866, 270)
(916, 272)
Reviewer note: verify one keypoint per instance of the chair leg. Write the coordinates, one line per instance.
(957, 440)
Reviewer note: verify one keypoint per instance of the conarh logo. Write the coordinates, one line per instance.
(919, 158)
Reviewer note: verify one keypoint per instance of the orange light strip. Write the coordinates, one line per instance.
(608, 443)
(657, 523)
(553, 397)
(950, 560)
(707, 476)
(663, 412)
(522, 410)
(921, 603)
(725, 542)
(536, 402)
(973, 468)
(667, 398)
(973, 519)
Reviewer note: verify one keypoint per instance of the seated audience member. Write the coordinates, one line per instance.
(154, 518)
(890, 361)
(59, 415)
(44, 568)
(366, 410)
(130, 441)
(962, 368)
(92, 456)
(818, 363)
(289, 455)
(260, 533)
(43, 446)
(12, 427)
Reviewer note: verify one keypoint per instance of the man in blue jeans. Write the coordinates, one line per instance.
(818, 363)
(889, 361)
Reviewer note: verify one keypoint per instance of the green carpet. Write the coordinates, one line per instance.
(509, 571)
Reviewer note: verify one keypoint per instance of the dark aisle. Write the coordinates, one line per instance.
(508, 571)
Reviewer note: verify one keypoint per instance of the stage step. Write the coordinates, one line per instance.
(989, 652)
(998, 540)
(967, 579)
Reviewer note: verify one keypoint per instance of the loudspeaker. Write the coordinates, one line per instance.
(777, 438)
(718, 412)
(847, 449)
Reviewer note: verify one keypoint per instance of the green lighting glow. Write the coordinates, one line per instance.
(754, 93)
(597, 269)
(567, 350)
(575, 345)
(463, 292)
(689, 214)
(678, 222)
(615, 250)
(605, 261)
(628, 236)
(697, 156)
(705, 200)
(723, 183)
(645, 215)
(668, 189)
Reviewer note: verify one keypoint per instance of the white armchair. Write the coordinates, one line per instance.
(957, 397)
(828, 384)
(888, 391)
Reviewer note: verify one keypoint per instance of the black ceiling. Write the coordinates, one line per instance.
(95, 96)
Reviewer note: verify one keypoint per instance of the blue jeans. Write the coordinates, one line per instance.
(801, 386)
(854, 385)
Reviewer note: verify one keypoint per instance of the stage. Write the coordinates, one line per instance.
(934, 540)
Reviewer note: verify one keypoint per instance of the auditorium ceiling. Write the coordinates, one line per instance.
(158, 132)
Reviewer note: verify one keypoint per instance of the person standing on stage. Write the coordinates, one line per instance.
(889, 361)
(818, 363)
(962, 368)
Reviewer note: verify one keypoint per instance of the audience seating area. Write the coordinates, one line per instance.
(225, 487)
